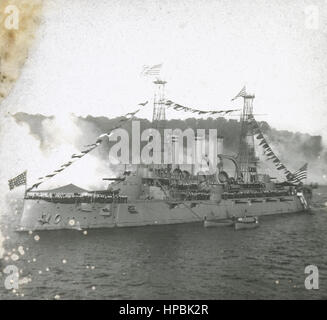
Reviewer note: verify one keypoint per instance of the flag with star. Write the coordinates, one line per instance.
(17, 181)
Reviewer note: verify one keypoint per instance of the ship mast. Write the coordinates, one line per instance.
(159, 110)
(159, 107)
(246, 158)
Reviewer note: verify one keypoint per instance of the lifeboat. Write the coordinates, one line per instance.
(246, 223)
(218, 223)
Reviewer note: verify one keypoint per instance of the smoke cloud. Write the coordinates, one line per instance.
(40, 152)
(294, 150)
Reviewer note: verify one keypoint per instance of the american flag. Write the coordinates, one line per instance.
(242, 93)
(17, 181)
(151, 70)
(299, 175)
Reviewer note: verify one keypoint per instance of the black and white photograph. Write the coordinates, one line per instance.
(163, 150)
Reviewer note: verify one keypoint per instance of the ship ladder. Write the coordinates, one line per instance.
(303, 200)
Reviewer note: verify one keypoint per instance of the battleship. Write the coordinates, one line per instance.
(153, 194)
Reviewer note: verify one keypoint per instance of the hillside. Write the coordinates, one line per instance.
(293, 148)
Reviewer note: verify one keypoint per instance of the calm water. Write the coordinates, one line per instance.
(176, 261)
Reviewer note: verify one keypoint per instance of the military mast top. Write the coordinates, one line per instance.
(159, 111)
(159, 107)
(247, 158)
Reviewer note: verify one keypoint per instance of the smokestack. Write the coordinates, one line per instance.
(220, 145)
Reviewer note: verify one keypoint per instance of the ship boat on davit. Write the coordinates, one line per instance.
(154, 194)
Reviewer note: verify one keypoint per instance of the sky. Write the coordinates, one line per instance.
(88, 56)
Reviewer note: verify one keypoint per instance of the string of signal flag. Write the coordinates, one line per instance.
(21, 179)
(295, 177)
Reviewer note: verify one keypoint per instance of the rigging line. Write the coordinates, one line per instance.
(161, 186)
(255, 114)
(183, 202)
(177, 107)
(253, 119)
(192, 211)
(82, 154)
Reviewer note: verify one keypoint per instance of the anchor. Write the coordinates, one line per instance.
(44, 219)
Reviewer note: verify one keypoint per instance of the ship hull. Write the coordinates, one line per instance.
(47, 215)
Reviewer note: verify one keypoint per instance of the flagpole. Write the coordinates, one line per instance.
(25, 191)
